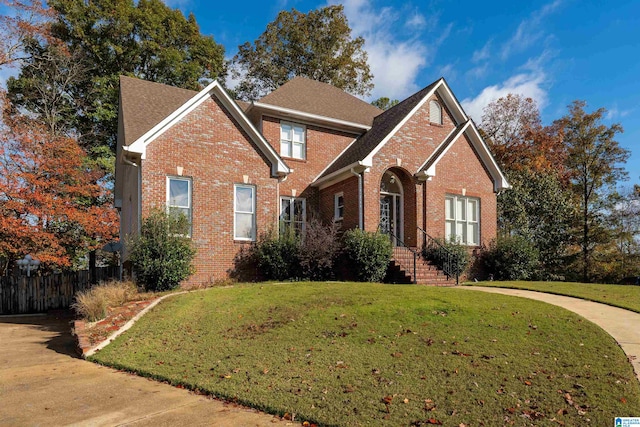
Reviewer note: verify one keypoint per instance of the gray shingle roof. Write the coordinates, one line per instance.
(322, 99)
(383, 124)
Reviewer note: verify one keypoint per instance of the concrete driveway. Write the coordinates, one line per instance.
(44, 383)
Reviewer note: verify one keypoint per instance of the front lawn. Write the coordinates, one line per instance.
(623, 296)
(371, 354)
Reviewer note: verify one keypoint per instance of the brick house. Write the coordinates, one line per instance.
(307, 149)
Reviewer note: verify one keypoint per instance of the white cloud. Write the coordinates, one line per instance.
(395, 60)
(482, 54)
(417, 21)
(529, 31)
(526, 84)
(614, 113)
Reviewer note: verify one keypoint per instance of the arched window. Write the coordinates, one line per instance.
(435, 112)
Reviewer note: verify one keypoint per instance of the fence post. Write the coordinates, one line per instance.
(92, 268)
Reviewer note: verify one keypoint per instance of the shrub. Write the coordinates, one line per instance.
(317, 251)
(368, 254)
(276, 255)
(511, 258)
(93, 303)
(162, 255)
(449, 256)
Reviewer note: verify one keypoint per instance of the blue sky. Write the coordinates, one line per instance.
(554, 52)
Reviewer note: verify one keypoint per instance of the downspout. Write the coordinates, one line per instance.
(360, 191)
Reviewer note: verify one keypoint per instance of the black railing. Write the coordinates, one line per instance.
(397, 242)
(446, 260)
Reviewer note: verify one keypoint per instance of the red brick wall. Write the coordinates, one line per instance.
(460, 168)
(406, 151)
(349, 188)
(216, 153)
(323, 146)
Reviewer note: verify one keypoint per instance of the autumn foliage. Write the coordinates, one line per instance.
(51, 204)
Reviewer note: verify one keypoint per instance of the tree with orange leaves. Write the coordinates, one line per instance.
(28, 20)
(51, 205)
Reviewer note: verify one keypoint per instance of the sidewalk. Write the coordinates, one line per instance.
(43, 382)
(622, 325)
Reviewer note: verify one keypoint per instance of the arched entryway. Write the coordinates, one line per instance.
(392, 206)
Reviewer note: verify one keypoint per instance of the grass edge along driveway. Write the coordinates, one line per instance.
(621, 296)
(371, 354)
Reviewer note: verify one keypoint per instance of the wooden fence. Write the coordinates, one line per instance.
(37, 294)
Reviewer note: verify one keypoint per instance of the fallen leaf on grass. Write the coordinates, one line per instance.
(430, 421)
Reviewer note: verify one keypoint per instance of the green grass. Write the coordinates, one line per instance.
(623, 296)
(330, 353)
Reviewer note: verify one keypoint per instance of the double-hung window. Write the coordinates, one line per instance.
(462, 219)
(244, 207)
(292, 140)
(293, 213)
(338, 206)
(179, 197)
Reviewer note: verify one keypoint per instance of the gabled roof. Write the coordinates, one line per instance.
(320, 99)
(359, 154)
(383, 124)
(468, 129)
(145, 104)
(140, 143)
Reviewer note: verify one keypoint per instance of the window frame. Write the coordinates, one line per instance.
(292, 200)
(432, 103)
(189, 182)
(291, 142)
(453, 221)
(337, 215)
(252, 238)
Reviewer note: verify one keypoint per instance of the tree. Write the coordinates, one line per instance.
(29, 20)
(625, 222)
(50, 204)
(162, 254)
(595, 159)
(517, 139)
(538, 208)
(384, 103)
(317, 45)
(145, 39)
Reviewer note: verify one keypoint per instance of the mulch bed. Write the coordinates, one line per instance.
(91, 334)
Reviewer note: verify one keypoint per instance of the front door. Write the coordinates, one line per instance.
(391, 207)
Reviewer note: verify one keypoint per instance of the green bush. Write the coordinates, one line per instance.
(368, 254)
(276, 255)
(162, 255)
(511, 258)
(450, 256)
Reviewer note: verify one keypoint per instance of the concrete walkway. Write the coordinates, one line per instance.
(42, 382)
(622, 325)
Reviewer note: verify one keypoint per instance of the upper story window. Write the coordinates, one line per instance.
(462, 220)
(435, 112)
(244, 207)
(179, 196)
(338, 206)
(292, 140)
(293, 213)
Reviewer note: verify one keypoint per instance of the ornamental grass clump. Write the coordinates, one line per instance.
(92, 304)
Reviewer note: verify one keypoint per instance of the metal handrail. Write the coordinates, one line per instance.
(403, 244)
(448, 258)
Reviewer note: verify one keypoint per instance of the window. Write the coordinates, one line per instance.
(462, 221)
(244, 200)
(293, 213)
(292, 140)
(435, 112)
(179, 197)
(338, 206)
